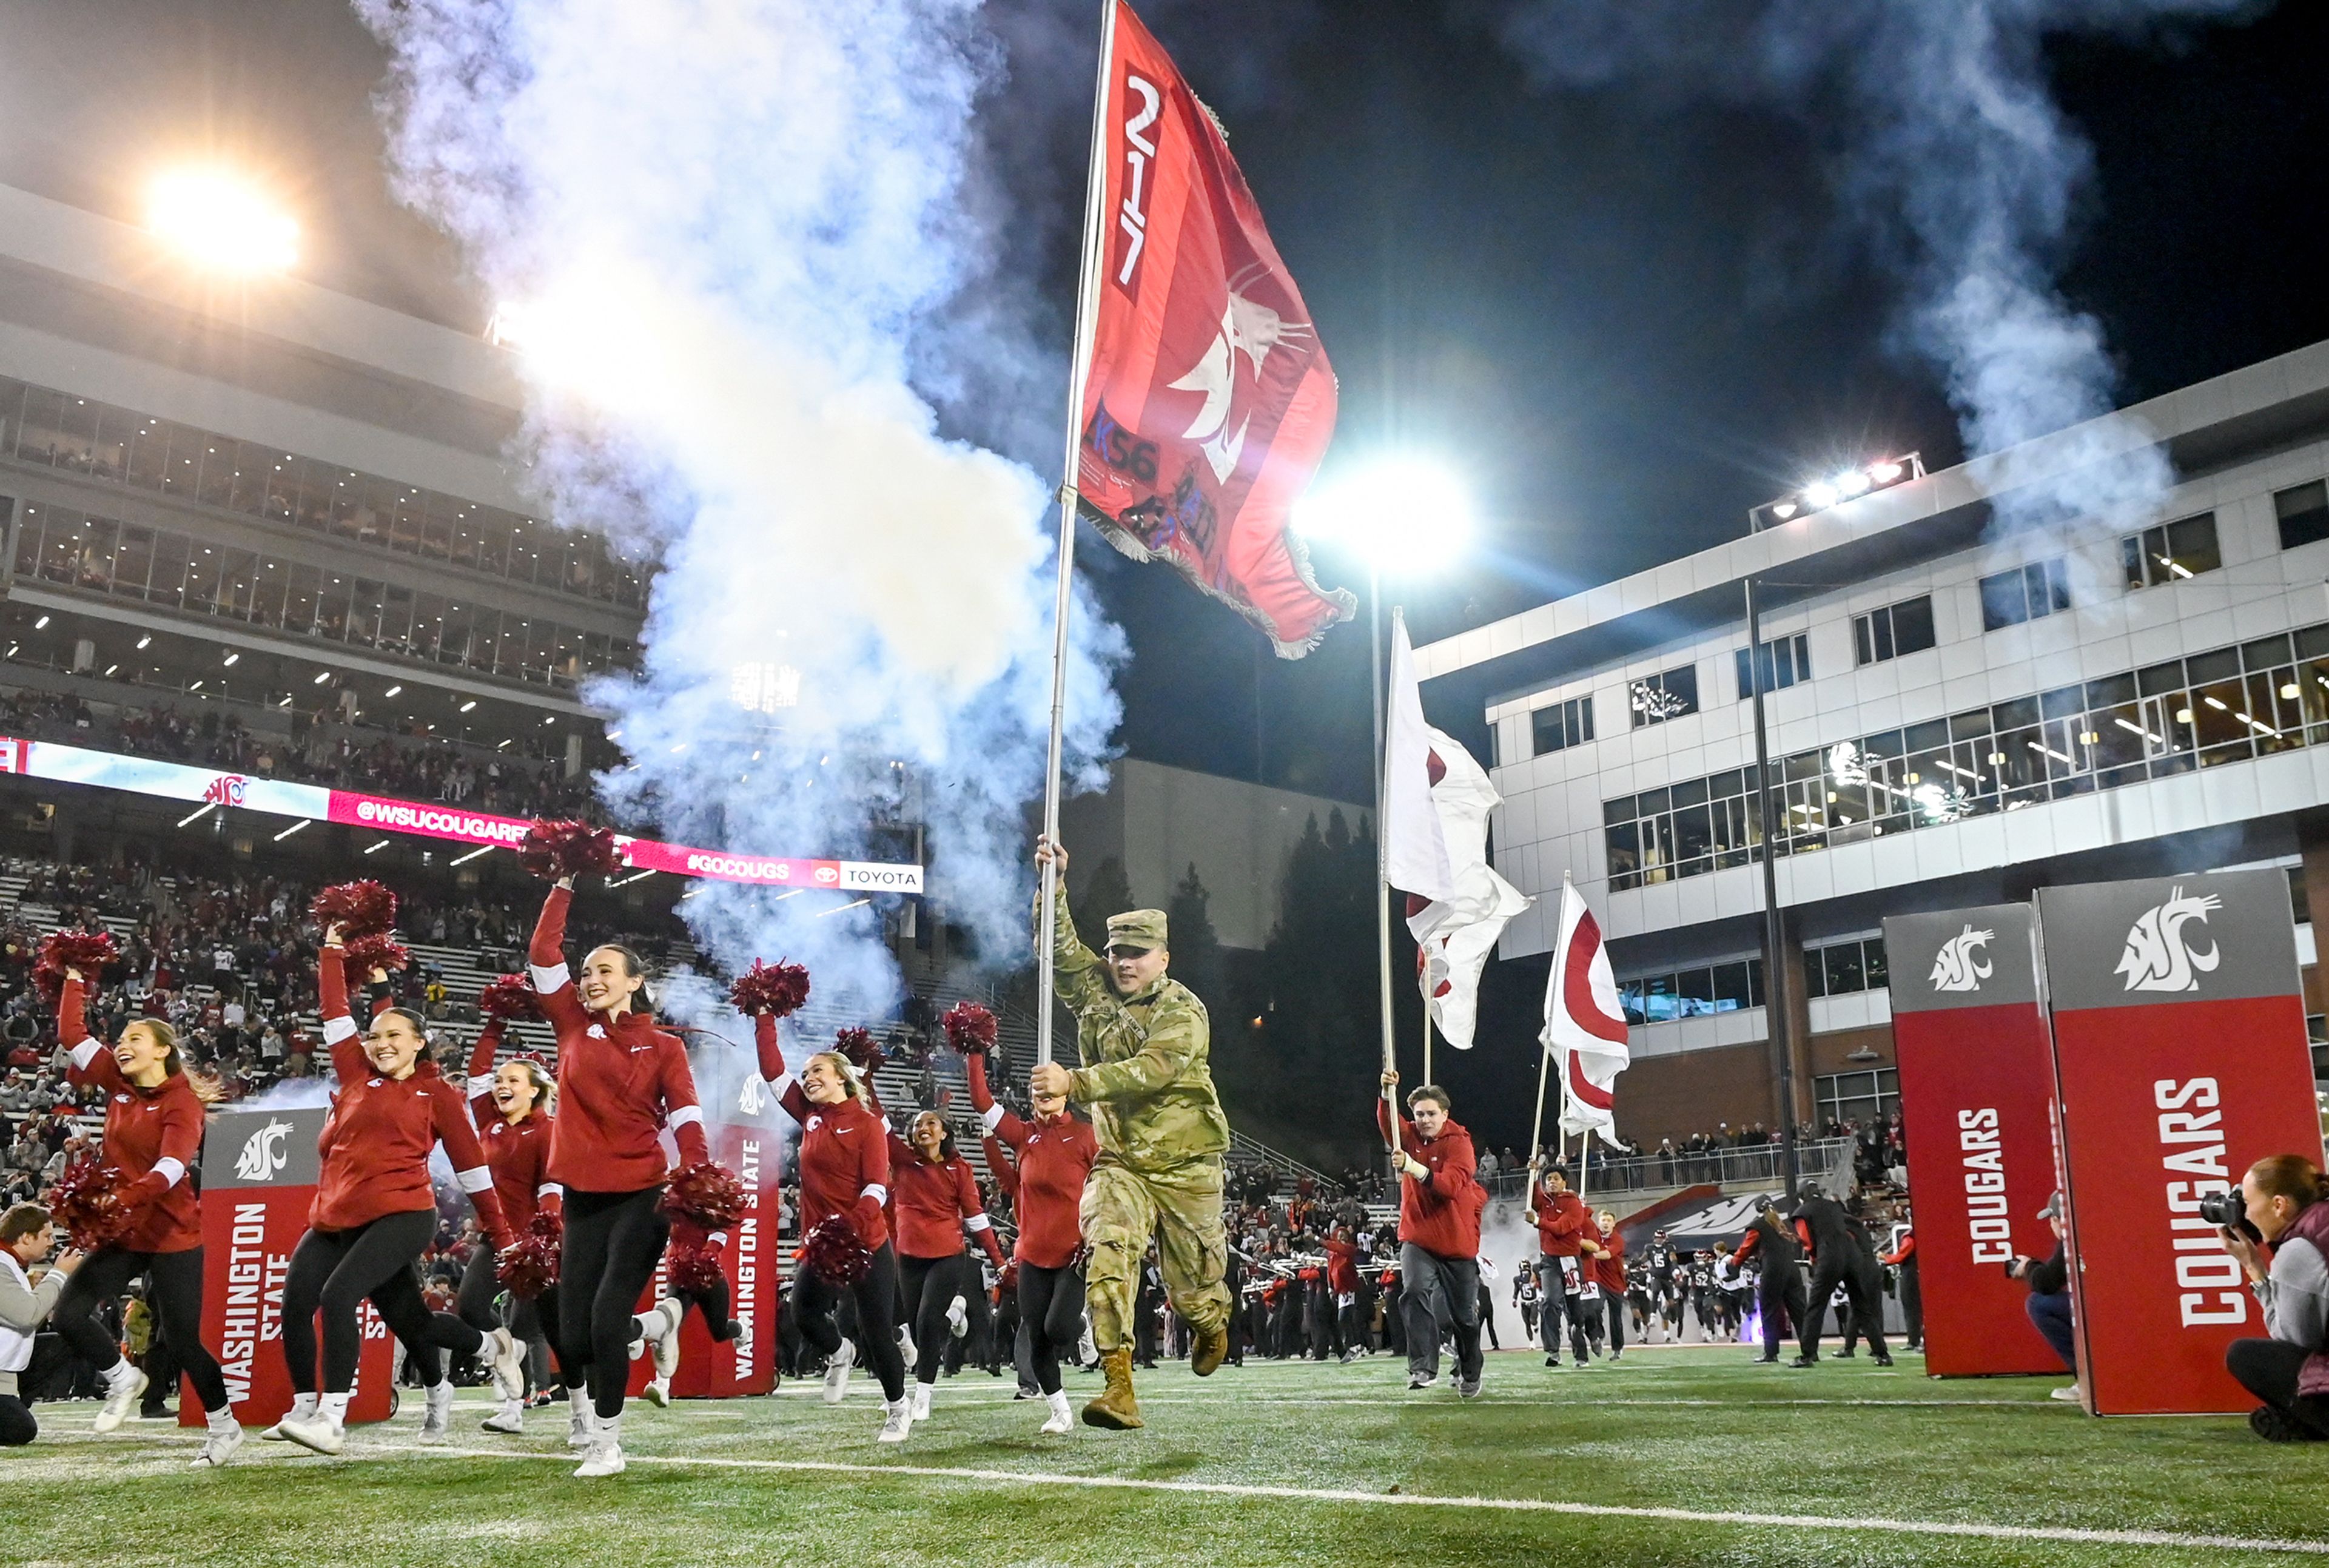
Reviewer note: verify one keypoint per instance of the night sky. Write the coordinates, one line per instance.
(1626, 316)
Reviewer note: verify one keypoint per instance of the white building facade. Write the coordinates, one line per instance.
(1955, 714)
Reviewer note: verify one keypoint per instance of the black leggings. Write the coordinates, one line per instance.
(930, 1286)
(174, 1291)
(1616, 1306)
(1052, 1315)
(2269, 1369)
(334, 1271)
(715, 1305)
(613, 1242)
(875, 1298)
(530, 1318)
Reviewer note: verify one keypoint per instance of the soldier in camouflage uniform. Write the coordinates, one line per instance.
(1144, 1042)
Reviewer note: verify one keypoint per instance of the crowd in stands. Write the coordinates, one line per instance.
(338, 756)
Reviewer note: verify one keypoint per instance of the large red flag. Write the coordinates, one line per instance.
(1209, 402)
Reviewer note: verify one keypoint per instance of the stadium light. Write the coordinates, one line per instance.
(1405, 515)
(219, 221)
(1843, 485)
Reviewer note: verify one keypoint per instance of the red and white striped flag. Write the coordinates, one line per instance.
(1584, 1023)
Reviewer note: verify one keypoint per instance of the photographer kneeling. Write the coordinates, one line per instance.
(2282, 1197)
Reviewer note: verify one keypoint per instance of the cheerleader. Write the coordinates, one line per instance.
(152, 1131)
(934, 1197)
(620, 1082)
(373, 1214)
(704, 1287)
(512, 1106)
(845, 1174)
(1052, 1156)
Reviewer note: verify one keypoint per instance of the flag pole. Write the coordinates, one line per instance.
(1382, 829)
(1536, 1127)
(1079, 368)
(1427, 1040)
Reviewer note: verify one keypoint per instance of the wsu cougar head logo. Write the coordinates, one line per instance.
(2158, 957)
(1960, 965)
(262, 1152)
(749, 1100)
(1250, 329)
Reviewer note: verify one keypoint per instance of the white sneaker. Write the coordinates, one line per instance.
(605, 1456)
(665, 1345)
(906, 1351)
(122, 1388)
(318, 1431)
(581, 1421)
(744, 1336)
(896, 1421)
(957, 1317)
(1061, 1419)
(507, 1359)
(219, 1444)
(436, 1420)
(302, 1405)
(921, 1402)
(2069, 1395)
(658, 1392)
(836, 1371)
(509, 1420)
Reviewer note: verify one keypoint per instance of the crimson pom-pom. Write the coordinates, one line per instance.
(90, 952)
(87, 1201)
(779, 988)
(360, 909)
(834, 1254)
(509, 998)
(859, 1048)
(377, 951)
(568, 848)
(969, 1028)
(707, 1193)
(695, 1270)
(529, 1265)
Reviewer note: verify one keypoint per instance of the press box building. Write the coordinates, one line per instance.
(1957, 715)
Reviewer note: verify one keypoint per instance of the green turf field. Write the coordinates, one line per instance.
(1674, 1456)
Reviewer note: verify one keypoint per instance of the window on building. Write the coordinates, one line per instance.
(1905, 627)
(1695, 827)
(1786, 661)
(2170, 551)
(1724, 987)
(2025, 593)
(1562, 726)
(1663, 696)
(2303, 514)
(1843, 968)
(1865, 1097)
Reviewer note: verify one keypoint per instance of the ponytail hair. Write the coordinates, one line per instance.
(850, 1076)
(207, 1089)
(642, 1000)
(2292, 1176)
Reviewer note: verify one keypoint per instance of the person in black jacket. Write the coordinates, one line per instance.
(1840, 1255)
(2049, 1293)
(1780, 1290)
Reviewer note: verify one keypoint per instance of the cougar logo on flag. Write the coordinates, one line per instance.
(2157, 955)
(1959, 966)
(262, 1153)
(747, 1098)
(1247, 328)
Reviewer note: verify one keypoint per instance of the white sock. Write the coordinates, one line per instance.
(118, 1373)
(610, 1427)
(302, 1405)
(222, 1418)
(334, 1408)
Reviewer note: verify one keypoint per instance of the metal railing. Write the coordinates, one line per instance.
(1816, 1160)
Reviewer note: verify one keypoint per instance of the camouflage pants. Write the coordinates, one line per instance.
(1182, 1208)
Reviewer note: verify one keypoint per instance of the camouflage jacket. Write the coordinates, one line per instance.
(1145, 1074)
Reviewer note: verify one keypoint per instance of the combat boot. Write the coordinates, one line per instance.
(1213, 1346)
(1116, 1408)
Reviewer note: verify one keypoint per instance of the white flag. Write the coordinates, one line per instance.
(1416, 852)
(1584, 1023)
(1455, 934)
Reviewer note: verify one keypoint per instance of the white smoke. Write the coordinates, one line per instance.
(1943, 144)
(738, 238)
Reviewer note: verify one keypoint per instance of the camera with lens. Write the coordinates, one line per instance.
(2229, 1210)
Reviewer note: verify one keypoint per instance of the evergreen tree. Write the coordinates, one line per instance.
(1196, 950)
